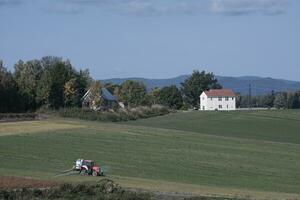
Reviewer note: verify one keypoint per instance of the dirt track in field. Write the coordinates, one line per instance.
(8, 182)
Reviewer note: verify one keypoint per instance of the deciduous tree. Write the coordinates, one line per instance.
(27, 76)
(132, 93)
(198, 82)
(281, 100)
(95, 94)
(9, 96)
(51, 86)
(171, 96)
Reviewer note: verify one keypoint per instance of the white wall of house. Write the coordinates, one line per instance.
(217, 103)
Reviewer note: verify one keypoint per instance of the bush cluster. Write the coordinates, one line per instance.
(214, 198)
(103, 190)
(17, 116)
(113, 116)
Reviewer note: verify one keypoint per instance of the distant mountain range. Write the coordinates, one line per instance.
(259, 85)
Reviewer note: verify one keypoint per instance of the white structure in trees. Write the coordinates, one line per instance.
(218, 99)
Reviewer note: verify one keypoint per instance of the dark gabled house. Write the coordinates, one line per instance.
(108, 100)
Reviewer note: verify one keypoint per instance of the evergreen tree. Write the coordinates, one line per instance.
(269, 100)
(296, 102)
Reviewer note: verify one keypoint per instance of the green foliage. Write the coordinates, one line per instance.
(269, 100)
(111, 87)
(95, 94)
(53, 81)
(153, 96)
(215, 198)
(17, 116)
(280, 100)
(83, 80)
(198, 82)
(71, 95)
(171, 97)
(9, 96)
(296, 101)
(27, 75)
(60, 84)
(115, 116)
(132, 93)
(48, 82)
(104, 190)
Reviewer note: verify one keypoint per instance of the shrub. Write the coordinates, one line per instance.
(17, 116)
(112, 116)
(104, 190)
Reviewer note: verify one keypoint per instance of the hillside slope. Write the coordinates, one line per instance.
(238, 84)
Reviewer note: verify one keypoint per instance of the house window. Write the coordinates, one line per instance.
(202, 98)
(211, 98)
(220, 98)
(226, 98)
(220, 106)
(232, 98)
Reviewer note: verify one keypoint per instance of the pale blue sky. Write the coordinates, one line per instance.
(156, 38)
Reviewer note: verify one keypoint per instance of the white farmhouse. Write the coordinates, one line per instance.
(218, 99)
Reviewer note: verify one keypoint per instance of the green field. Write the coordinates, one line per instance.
(253, 154)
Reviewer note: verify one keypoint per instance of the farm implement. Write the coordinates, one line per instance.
(84, 167)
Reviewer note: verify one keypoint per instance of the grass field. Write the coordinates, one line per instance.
(253, 154)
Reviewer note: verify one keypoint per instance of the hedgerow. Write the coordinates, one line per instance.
(113, 116)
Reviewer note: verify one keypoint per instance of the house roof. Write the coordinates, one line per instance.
(220, 93)
(107, 95)
(104, 93)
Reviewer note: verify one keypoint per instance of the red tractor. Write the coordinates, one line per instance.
(87, 167)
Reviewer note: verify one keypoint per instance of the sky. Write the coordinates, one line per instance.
(156, 38)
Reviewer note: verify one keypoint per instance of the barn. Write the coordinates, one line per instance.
(108, 100)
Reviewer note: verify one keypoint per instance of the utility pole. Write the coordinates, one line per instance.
(249, 97)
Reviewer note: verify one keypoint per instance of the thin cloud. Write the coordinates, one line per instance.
(244, 7)
(154, 7)
(146, 7)
(163, 7)
(60, 7)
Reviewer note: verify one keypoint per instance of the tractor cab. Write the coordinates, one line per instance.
(88, 163)
(89, 167)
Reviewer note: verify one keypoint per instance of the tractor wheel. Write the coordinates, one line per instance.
(95, 173)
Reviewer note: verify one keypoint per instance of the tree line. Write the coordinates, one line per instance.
(279, 100)
(53, 83)
(134, 93)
